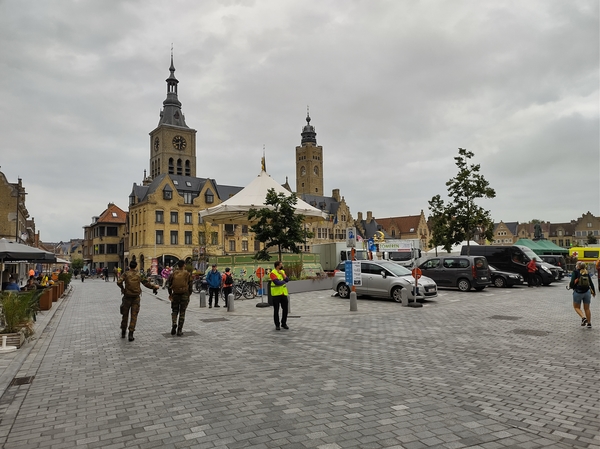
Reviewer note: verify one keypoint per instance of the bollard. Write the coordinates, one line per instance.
(202, 298)
(404, 296)
(230, 303)
(289, 304)
(353, 302)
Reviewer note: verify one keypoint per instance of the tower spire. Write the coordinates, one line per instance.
(171, 113)
(308, 134)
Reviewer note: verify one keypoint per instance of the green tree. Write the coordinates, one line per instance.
(460, 219)
(591, 239)
(77, 264)
(277, 225)
(440, 232)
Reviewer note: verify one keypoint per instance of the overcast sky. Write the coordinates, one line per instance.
(394, 88)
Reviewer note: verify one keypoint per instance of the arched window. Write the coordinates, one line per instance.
(179, 169)
(171, 167)
(158, 167)
(187, 168)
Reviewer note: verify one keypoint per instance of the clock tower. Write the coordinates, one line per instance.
(309, 163)
(172, 142)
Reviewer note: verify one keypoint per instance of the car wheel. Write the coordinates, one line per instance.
(538, 280)
(343, 290)
(464, 285)
(397, 294)
(499, 282)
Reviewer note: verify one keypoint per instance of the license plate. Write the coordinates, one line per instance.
(484, 278)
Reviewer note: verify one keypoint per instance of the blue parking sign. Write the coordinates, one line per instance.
(348, 272)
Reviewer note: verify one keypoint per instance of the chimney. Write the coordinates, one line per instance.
(369, 216)
(359, 219)
(335, 193)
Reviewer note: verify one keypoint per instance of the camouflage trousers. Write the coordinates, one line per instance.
(128, 304)
(178, 307)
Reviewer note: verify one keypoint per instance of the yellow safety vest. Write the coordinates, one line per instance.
(279, 290)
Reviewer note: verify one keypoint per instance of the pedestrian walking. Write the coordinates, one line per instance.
(180, 289)
(115, 273)
(213, 278)
(583, 290)
(279, 294)
(227, 283)
(130, 285)
(165, 273)
(531, 273)
(105, 274)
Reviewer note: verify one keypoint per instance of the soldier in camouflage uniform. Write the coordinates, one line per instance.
(129, 283)
(179, 284)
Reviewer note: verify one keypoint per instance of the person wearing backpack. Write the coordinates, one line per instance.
(179, 284)
(583, 290)
(227, 284)
(214, 280)
(130, 284)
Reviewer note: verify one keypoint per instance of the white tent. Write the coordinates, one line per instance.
(235, 209)
(455, 250)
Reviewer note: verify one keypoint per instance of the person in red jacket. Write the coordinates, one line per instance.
(531, 271)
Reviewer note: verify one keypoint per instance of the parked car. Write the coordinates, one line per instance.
(558, 261)
(502, 279)
(514, 259)
(384, 279)
(463, 272)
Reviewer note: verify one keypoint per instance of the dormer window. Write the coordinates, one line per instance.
(175, 182)
(131, 200)
(167, 193)
(209, 197)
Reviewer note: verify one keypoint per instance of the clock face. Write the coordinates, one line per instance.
(156, 144)
(179, 143)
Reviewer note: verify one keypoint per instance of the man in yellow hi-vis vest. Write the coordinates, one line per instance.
(279, 293)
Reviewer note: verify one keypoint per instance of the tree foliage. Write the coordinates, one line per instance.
(277, 225)
(77, 264)
(460, 219)
(591, 239)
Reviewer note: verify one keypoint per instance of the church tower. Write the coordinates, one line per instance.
(309, 163)
(172, 142)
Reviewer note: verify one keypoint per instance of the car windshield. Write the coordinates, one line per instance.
(396, 269)
(399, 256)
(528, 252)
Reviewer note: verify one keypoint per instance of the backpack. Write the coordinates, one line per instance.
(133, 284)
(584, 281)
(228, 279)
(180, 282)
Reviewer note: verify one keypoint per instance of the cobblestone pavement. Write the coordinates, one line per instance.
(508, 368)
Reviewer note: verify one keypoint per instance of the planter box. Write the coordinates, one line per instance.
(306, 285)
(46, 299)
(54, 290)
(15, 339)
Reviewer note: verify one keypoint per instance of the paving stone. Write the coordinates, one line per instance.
(442, 376)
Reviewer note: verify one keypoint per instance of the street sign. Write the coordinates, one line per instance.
(351, 237)
(356, 276)
(416, 272)
(352, 273)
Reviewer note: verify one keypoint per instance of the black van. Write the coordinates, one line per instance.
(463, 272)
(513, 258)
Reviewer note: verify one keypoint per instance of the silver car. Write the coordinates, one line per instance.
(384, 279)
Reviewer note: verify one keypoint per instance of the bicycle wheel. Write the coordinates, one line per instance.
(248, 291)
(237, 291)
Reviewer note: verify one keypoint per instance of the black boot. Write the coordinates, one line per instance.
(131, 336)
(122, 333)
(174, 329)
(180, 331)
